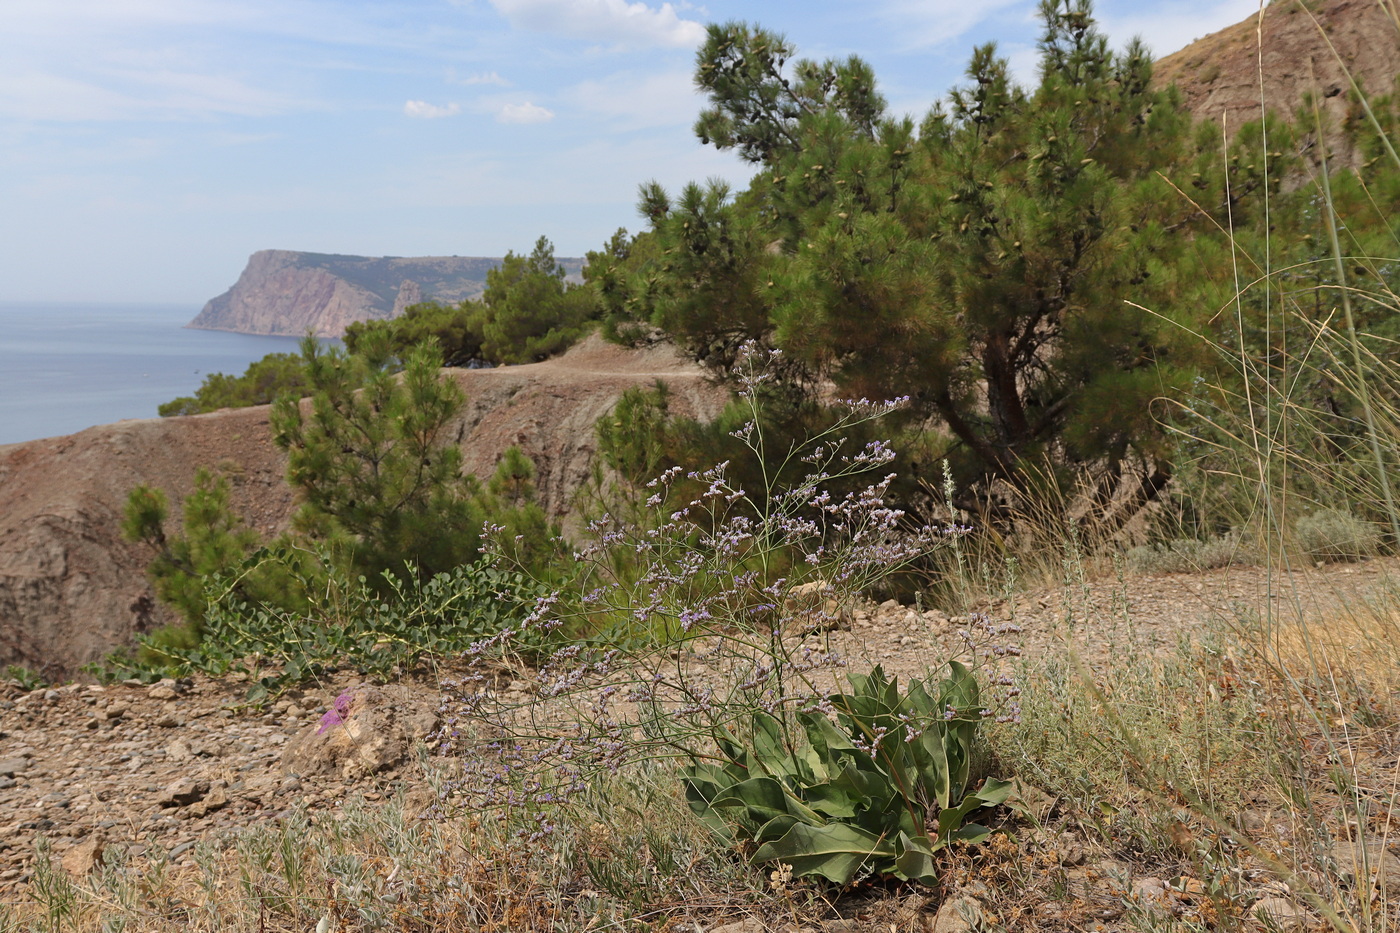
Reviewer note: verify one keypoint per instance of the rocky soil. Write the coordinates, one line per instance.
(154, 769)
(71, 589)
(1219, 75)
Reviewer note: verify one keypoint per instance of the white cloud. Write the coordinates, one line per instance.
(1169, 26)
(524, 113)
(635, 101)
(921, 23)
(480, 77)
(163, 94)
(612, 21)
(489, 77)
(426, 111)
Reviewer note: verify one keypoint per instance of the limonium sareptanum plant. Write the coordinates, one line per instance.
(730, 681)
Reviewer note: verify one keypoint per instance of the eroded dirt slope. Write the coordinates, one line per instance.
(71, 589)
(1220, 74)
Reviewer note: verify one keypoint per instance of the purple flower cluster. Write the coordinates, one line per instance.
(338, 712)
(991, 640)
(717, 631)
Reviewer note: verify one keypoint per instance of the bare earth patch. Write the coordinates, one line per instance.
(152, 771)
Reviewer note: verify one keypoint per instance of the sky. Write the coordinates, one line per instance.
(147, 147)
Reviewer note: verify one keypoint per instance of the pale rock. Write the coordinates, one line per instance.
(1280, 913)
(815, 608)
(289, 293)
(216, 799)
(410, 293)
(84, 857)
(9, 767)
(957, 915)
(806, 596)
(378, 732)
(1070, 851)
(843, 925)
(181, 793)
(747, 925)
(162, 691)
(1254, 822)
(1380, 864)
(1151, 890)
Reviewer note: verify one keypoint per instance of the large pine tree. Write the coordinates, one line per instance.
(981, 263)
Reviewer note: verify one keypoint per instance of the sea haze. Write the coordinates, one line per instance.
(65, 367)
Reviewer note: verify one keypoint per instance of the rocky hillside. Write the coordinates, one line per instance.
(1220, 74)
(287, 293)
(71, 589)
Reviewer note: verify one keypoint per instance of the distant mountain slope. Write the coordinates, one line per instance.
(286, 293)
(1220, 73)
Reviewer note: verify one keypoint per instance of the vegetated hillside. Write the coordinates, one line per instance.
(71, 589)
(286, 293)
(1219, 75)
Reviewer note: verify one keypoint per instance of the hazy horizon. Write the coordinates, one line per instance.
(151, 146)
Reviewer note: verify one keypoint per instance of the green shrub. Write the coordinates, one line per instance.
(22, 677)
(264, 380)
(214, 541)
(877, 791)
(372, 461)
(1336, 535)
(1187, 555)
(528, 312)
(375, 630)
(454, 329)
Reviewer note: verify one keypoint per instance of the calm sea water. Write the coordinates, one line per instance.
(65, 367)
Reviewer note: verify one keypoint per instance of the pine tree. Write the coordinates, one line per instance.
(981, 264)
(213, 540)
(529, 312)
(374, 463)
(454, 329)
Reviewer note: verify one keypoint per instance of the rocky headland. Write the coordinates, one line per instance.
(287, 293)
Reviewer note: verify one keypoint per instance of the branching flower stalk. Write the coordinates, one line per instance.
(706, 653)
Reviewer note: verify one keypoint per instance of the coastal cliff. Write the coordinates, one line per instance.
(287, 293)
(71, 589)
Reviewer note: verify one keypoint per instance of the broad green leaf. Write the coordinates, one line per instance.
(765, 798)
(914, 860)
(832, 800)
(835, 851)
(971, 833)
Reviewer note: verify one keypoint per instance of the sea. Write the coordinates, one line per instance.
(65, 366)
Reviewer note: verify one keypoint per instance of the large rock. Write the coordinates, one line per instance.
(1360, 859)
(1219, 74)
(368, 730)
